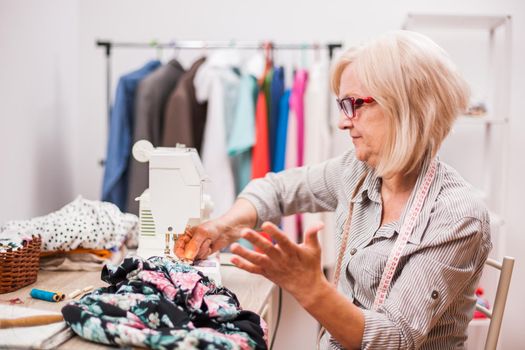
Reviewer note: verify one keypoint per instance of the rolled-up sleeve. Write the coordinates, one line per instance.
(298, 190)
(429, 282)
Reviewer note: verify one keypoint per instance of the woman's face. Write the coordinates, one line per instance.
(368, 128)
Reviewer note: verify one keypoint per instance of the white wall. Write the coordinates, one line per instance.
(52, 88)
(38, 108)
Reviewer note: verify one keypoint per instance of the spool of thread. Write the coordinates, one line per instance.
(46, 295)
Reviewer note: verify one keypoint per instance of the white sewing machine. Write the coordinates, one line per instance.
(175, 199)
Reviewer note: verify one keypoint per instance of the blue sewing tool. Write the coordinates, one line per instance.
(46, 295)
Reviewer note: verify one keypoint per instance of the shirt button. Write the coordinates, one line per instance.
(434, 294)
(353, 251)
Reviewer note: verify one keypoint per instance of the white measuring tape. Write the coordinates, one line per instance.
(402, 239)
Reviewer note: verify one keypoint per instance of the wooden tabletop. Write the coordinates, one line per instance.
(253, 291)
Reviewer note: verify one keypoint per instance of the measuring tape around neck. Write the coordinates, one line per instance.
(401, 241)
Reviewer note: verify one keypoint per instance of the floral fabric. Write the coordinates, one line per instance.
(161, 304)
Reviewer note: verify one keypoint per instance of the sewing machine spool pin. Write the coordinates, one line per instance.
(167, 249)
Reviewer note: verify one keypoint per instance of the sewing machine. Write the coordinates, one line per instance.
(174, 200)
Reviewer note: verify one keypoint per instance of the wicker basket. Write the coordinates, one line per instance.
(19, 267)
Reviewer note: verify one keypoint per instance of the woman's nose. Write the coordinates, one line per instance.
(344, 122)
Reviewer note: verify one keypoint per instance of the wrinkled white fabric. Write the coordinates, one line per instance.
(80, 224)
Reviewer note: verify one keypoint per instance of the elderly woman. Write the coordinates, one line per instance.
(412, 236)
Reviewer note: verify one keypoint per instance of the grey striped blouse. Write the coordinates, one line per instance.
(431, 298)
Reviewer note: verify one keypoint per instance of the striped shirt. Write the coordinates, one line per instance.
(431, 298)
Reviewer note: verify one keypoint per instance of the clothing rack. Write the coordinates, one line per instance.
(193, 44)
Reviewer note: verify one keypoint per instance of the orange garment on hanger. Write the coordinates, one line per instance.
(261, 150)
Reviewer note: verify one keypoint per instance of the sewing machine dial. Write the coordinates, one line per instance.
(142, 150)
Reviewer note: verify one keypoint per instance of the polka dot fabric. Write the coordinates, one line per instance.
(81, 224)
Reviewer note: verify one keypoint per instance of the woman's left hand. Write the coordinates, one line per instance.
(294, 267)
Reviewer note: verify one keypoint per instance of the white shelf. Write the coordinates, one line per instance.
(422, 20)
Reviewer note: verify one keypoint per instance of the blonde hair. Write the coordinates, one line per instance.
(419, 89)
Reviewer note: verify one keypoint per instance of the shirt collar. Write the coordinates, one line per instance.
(175, 64)
(371, 189)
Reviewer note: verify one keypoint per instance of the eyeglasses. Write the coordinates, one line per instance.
(350, 104)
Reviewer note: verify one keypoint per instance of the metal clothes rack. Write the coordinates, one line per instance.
(191, 44)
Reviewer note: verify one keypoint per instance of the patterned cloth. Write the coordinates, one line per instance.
(11, 240)
(160, 304)
(80, 224)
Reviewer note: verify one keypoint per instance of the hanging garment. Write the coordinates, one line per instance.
(261, 149)
(160, 304)
(316, 125)
(261, 155)
(289, 222)
(291, 136)
(317, 115)
(217, 81)
(276, 92)
(297, 104)
(295, 145)
(280, 133)
(152, 95)
(80, 224)
(242, 137)
(121, 126)
(267, 86)
(185, 117)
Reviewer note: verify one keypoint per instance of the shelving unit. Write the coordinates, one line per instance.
(478, 145)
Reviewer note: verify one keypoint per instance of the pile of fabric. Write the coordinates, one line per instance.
(83, 235)
(161, 304)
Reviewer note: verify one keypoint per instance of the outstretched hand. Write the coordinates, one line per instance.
(294, 267)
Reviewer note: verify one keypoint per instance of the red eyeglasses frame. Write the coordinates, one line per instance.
(355, 103)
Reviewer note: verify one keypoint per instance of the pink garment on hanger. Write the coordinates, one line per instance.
(295, 145)
(297, 104)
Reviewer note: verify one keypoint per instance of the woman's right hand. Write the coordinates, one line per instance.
(202, 240)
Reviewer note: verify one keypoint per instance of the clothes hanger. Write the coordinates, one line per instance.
(304, 58)
(268, 58)
(317, 52)
(155, 44)
(176, 50)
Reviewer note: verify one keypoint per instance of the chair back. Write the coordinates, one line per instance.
(496, 314)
